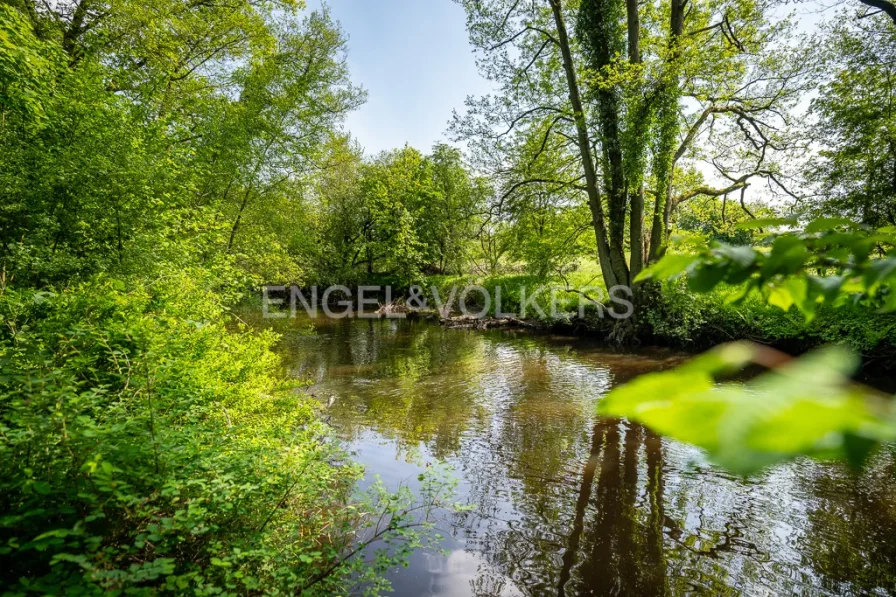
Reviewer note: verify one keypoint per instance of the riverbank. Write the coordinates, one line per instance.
(674, 318)
(678, 318)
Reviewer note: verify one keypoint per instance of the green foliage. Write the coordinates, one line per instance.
(189, 142)
(26, 67)
(145, 447)
(719, 219)
(542, 295)
(615, 108)
(677, 316)
(156, 159)
(830, 263)
(494, 243)
(805, 406)
(856, 121)
(549, 238)
(450, 219)
(400, 214)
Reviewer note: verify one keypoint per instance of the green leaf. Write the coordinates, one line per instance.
(706, 276)
(742, 256)
(827, 286)
(792, 291)
(788, 255)
(880, 271)
(805, 407)
(55, 533)
(825, 224)
(669, 267)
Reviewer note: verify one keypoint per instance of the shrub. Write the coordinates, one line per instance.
(146, 448)
(679, 317)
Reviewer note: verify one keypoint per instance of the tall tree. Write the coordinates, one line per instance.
(449, 219)
(633, 101)
(160, 130)
(856, 121)
(290, 103)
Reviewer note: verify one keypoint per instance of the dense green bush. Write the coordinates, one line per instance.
(680, 317)
(675, 316)
(144, 447)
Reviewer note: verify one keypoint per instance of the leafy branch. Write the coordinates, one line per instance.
(806, 406)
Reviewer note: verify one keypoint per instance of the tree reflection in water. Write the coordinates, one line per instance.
(569, 504)
(621, 555)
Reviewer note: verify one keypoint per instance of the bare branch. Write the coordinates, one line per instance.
(562, 183)
(883, 5)
(739, 183)
(507, 16)
(526, 113)
(522, 32)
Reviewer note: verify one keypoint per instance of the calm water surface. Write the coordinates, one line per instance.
(566, 503)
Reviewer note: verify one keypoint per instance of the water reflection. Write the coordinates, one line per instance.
(856, 519)
(568, 504)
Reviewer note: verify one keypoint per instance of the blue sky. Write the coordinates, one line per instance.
(414, 60)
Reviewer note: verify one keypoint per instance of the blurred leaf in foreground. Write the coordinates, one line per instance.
(805, 406)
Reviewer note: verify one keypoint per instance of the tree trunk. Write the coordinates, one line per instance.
(633, 22)
(74, 31)
(239, 217)
(668, 119)
(601, 39)
(611, 276)
(636, 232)
(636, 198)
(883, 5)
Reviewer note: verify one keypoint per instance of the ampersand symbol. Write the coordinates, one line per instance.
(416, 300)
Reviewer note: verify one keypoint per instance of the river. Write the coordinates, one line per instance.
(564, 502)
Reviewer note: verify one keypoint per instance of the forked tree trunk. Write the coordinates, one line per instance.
(239, 218)
(612, 264)
(668, 117)
(636, 195)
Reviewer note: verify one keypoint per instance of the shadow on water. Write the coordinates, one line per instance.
(565, 503)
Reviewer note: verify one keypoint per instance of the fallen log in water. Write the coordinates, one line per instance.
(484, 323)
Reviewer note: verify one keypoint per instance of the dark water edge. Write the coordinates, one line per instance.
(567, 503)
